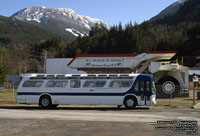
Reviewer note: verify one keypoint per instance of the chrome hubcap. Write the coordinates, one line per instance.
(45, 102)
(130, 103)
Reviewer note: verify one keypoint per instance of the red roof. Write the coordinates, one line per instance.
(160, 52)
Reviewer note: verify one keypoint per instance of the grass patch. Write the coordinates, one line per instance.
(175, 102)
(6, 97)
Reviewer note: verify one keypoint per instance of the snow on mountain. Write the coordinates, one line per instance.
(59, 20)
(75, 32)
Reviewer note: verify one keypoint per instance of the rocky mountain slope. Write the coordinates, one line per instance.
(59, 21)
(189, 11)
(170, 10)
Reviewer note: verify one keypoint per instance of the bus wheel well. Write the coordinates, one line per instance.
(45, 96)
(130, 96)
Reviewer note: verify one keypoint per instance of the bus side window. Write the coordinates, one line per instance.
(126, 83)
(115, 84)
(50, 84)
(89, 84)
(32, 84)
(61, 83)
(27, 83)
(75, 83)
(100, 83)
(37, 84)
(136, 88)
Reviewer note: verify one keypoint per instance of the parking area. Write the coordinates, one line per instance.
(75, 120)
(90, 120)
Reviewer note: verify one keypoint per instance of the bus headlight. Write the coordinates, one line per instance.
(153, 99)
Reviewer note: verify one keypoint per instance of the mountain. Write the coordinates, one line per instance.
(13, 30)
(189, 11)
(60, 21)
(170, 10)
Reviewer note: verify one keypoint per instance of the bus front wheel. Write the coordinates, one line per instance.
(130, 102)
(45, 102)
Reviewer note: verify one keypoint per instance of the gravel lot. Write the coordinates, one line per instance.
(90, 121)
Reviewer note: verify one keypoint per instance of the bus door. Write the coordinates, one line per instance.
(145, 88)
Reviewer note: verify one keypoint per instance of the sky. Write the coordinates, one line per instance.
(110, 11)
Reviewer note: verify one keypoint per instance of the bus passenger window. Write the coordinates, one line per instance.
(75, 83)
(61, 83)
(136, 88)
(89, 84)
(126, 83)
(100, 83)
(37, 83)
(115, 84)
(32, 84)
(27, 83)
(50, 84)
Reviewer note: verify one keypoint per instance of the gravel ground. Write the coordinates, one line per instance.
(90, 121)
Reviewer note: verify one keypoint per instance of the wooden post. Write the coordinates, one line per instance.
(194, 97)
(45, 57)
(13, 92)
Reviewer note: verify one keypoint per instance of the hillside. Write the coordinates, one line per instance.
(169, 11)
(12, 30)
(60, 21)
(189, 11)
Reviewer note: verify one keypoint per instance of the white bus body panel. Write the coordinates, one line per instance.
(76, 97)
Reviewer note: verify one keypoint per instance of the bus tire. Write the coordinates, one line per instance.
(45, 101)
(130, 102)
(167, 85)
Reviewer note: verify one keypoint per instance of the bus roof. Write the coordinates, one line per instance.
(82, 76)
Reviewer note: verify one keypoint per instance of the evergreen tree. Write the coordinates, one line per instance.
(2, 74)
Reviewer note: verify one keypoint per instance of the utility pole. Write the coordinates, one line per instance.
(45, 57)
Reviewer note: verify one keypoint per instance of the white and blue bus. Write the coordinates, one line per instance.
(47, 90)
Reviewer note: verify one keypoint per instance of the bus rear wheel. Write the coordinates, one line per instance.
(130, 102)
(45, 102)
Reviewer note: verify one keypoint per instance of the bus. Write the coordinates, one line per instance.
(50, 90)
